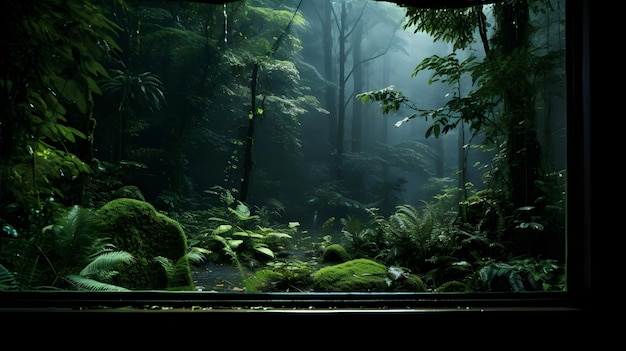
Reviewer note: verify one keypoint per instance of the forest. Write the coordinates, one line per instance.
(318, 145)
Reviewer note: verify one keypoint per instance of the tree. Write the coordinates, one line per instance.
(503, 80)
(507, 77)
(54, 52)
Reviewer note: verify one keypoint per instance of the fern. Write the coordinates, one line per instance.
(7, 280)
(197, 255)
(103, 264)
(84, 283)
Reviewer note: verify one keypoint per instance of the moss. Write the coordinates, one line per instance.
(136, 227)
(410, 282)
(335, 253)
(364, 275)
(355, 275)
(129, 191)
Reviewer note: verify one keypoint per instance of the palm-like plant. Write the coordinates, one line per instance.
(132, 93)
(142, 90)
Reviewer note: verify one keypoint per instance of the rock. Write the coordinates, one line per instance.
(136, 227)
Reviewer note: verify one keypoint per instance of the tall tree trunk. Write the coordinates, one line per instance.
(342, 88)
(524, 153)
(384, 131)
(331, 91)
(247, 161)
(357, 106)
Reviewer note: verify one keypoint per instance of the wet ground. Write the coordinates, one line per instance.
(223, 277)
(217, 277)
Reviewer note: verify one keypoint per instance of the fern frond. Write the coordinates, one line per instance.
(106, 262)
(409, 215)
(83, 283)
(7, 280)
(166, 264)
(76, 234)
(197, 255)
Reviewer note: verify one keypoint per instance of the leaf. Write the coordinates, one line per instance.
(93, 85)
(277, 236)
(82, 283)
(7, 280)
(265, 250)
(233, 244)
(197, 255)
(221, 229)
(106, 262)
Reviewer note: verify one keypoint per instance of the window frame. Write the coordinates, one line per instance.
(569, 303)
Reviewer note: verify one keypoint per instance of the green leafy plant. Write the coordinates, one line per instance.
(70, 254)
(195, 255)
(99, 271)
(56, 51)
(132, 93)
(521, 275)
(235, 235)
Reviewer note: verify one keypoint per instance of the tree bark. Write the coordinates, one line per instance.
(247, 161)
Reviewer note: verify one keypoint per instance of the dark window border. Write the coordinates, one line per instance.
(571, 306)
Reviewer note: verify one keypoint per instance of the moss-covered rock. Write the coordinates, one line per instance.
(409, 282)
(335, 253)
(355, 275)
(364, 275)
(128, 191)
(136, 227)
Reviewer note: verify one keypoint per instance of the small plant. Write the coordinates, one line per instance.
(522, 275)
(69, 254)
(99, 272)
(195, 255)
(237, 236)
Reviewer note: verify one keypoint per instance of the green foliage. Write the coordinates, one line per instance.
(144, 89)
(391, 100)
(135, 226)
(178, 271)
(86, 284)
(96, 275)
(69, 254)
(100, 266)
(447, 69)
(236, 234)
(361, 237)
(54, 60)
(7, 279)
(471, 253)
(455, 26)
(522, 275)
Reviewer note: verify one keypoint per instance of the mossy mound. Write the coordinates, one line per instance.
(335, 253)
(355, 275)
(136, 227)
(364, 275)
(129, 191)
